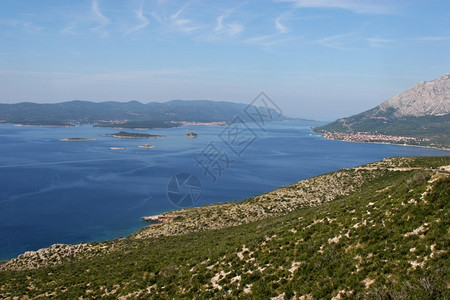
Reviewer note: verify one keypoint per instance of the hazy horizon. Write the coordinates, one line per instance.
(316, 59)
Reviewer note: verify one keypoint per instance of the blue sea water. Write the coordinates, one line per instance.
(69, 192)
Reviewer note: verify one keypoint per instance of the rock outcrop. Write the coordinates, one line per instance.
(424, 99)
(421, 113)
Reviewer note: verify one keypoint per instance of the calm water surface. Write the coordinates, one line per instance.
(69, 192)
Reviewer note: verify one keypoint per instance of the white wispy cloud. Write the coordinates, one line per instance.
(219, 26)
(25, 25)
(178, 13)
(69, 29)
(379, 42)
(175, 21)
(339, 42)
(185, 25)
(356, 6)
(268, 40)
(433, 38)
(230, 29)
(32, 28)
(9, 22)
(156, 17)
(227, 26)
(383, 42)
(280, 27)
(100, 18)
(182, 24)
(141, 18)
(235, 28)
(120, 75)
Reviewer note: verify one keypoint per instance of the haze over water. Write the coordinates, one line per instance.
(69, 192)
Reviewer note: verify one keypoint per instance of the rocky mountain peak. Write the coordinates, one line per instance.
(424, 99)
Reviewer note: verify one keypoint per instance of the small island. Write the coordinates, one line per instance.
(76, 139)
(133, 135)
(146, 146)
(191, 135)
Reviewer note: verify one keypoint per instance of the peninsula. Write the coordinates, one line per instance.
(420, 116)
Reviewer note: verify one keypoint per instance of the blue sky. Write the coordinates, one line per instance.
(319, 59)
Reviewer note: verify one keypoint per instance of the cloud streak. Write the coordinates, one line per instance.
(383, 42)
(141, 18)
(433, 38)
(230, 29)
(182, 24)
(356, 6)
(268, 40)
(379, 42)
(27, 26)
(281, 27)
(338, 42)
(100, 18)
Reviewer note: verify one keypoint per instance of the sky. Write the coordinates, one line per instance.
(317, 59)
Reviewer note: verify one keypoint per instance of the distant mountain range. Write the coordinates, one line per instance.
(421, 115)
(131, 114)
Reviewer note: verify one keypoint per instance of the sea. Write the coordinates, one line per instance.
(53, 191)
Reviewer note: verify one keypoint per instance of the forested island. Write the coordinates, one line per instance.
(132, 114)
(77, 139)
(134, 135)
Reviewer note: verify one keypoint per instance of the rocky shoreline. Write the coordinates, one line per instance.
(163, 218)
(310, 192)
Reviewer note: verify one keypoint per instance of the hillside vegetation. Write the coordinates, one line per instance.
(378, 231)
(431, 130)
(131, 114)
(421, 112)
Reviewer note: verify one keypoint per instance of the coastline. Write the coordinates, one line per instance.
(130, 150)
(181, 221)
(36, 125)
(385, 143)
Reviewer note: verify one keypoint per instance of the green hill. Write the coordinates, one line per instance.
(131, 114)
(422, 112)
(378, 231)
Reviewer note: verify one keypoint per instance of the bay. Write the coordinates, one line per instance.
(68, 192)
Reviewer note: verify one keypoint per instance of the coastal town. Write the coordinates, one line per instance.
(189, 123)
(366, 137)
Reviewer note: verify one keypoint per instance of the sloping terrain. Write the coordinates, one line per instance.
(131, 114)
(377, 231)
(422, 111)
